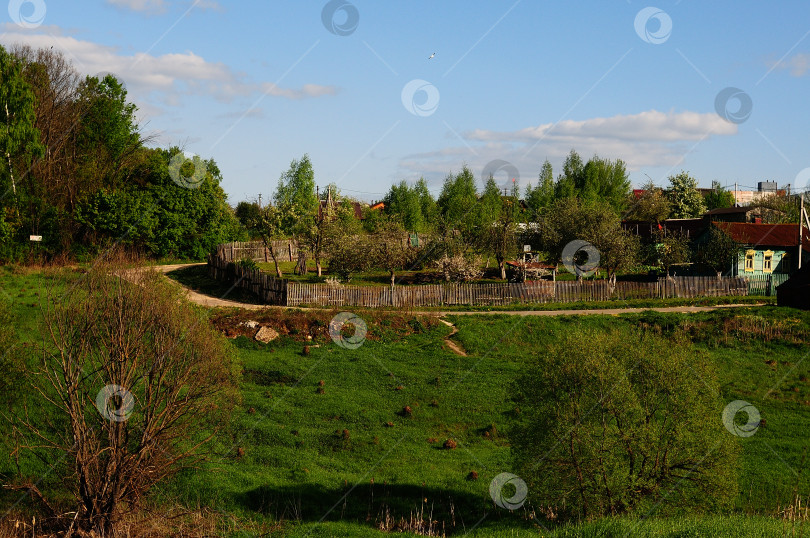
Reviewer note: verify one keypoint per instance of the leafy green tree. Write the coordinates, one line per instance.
(403, 204)
(621, 425)
(457, 202)
(717, 250)
(604, 180)
(333, 220)
(777, 209)
(501, 236)
(684, 198)
(296, 192)
(428, 205)
(270, 226)
(391, 250)
(247, 212)
(652, 206)
(669, 248)
(572, 219)
(107, 135)
(541, 196)
(348, 255)
(619, 249)
(19, 139)
(719, 197)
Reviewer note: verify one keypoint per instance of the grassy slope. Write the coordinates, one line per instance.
(298, 466)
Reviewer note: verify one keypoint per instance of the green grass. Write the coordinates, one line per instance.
(298, 467)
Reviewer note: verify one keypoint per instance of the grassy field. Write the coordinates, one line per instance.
(322, 443)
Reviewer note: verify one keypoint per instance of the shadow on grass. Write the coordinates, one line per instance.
(451, 511)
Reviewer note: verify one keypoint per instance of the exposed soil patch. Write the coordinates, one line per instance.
(312, 326)
(454, 347)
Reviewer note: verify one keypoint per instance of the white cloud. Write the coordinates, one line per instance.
(152, 6)
(647, 139)
(160, 6)
(649, 125)
(799, 64)
(167, 78)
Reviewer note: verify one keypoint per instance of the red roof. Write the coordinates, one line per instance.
(769, 235)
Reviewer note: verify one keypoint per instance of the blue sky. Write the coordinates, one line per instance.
(257, 83)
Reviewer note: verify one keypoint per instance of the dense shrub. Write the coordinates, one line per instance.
(622, 421)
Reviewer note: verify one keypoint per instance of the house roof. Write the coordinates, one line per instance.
(732, 210)
(356, 206)
(766, 235)
(689, 227)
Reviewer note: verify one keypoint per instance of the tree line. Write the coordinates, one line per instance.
(465, 229)
(77, 171)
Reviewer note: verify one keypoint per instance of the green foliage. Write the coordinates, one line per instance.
(247, 213)
(719, 197)
(295, 192)
(19, 139)
(652, 206)
(248, 263)
(620, 424)
(457, 202)
(543, 195)
(716, 250)
(668, 249)
(390, 249)
(160, 216)
(349, 255)
(404, 204)
(107, 131)
(684, 198)
(778, 209)
(96, 185)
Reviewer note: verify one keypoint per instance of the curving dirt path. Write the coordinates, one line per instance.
(209, 301)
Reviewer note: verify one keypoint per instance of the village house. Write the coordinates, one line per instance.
(766, 248)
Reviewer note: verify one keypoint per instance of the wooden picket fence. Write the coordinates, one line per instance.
(765, 284)
(424, 295)
(276, 291)
(269, 289)
(285, 250)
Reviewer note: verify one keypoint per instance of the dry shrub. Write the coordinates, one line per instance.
(129, 373)
(459, 268)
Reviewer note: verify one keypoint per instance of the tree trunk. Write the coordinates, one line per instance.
(502, 266)
(275, 261)
(392, 278)
(301, 265)
(318, 265)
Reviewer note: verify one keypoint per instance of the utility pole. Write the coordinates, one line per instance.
(735, 194)
(801, 226)
(260, 200)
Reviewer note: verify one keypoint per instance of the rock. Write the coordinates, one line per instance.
(265, 335)
(250, 324)
(449, 444)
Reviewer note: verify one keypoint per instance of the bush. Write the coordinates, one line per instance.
(248, 263)
(459, 268)
(622, 421)
(348, 255)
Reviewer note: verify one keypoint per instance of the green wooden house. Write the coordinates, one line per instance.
(766, 249)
